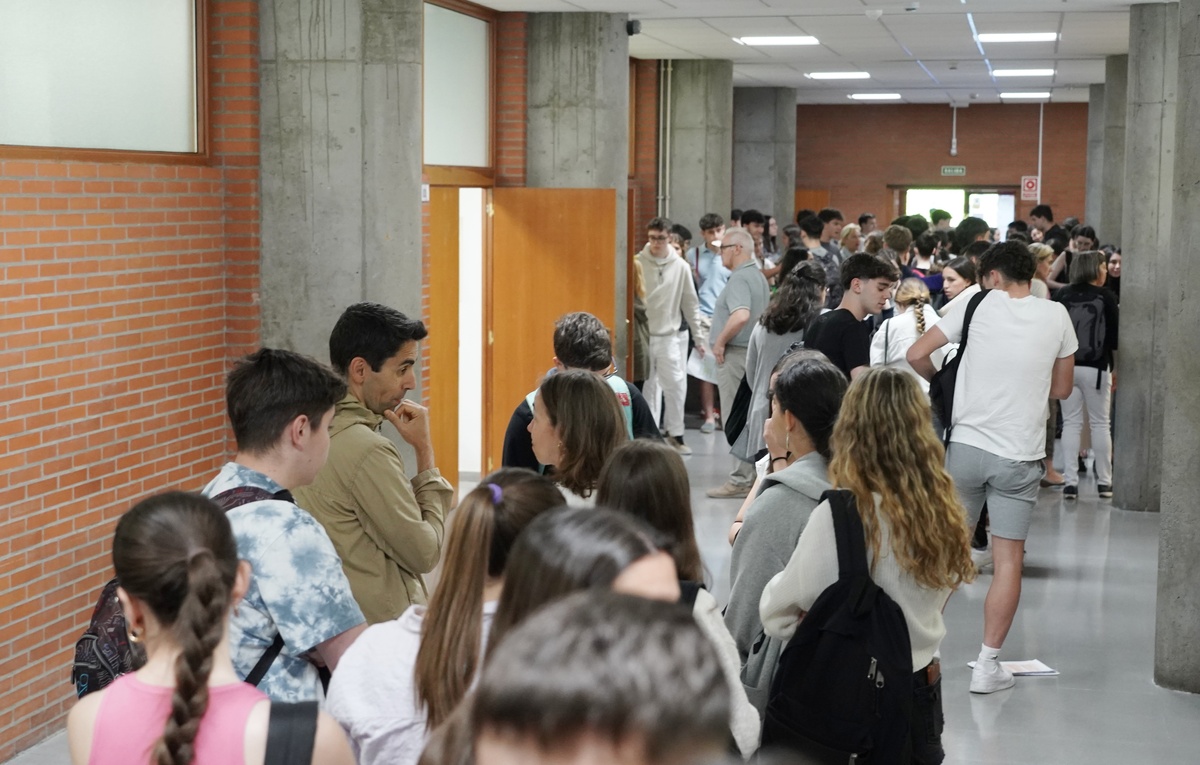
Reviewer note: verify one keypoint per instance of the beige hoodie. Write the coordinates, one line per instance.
(670, 292)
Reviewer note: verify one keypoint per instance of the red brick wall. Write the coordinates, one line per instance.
(856, 152)
(126, 288)
(512, 72)
(643, 174)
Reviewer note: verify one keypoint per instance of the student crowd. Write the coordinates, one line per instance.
(571, 622)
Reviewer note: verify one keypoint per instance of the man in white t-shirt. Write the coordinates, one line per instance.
(1020, 351)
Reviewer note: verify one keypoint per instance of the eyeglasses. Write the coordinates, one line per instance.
(725, 246)
(658, 238)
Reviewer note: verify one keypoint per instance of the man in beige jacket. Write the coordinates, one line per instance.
(387, 528)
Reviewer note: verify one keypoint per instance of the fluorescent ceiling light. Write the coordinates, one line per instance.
(1002, 37)
(838, 76)
(875, 96)
(1025, 95)
(1023, 72)
(795, 40)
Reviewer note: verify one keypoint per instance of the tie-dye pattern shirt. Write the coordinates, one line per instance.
(298, 588)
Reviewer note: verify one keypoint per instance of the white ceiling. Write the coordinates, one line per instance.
(928, 55)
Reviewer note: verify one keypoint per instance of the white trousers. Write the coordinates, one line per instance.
(666, 386)
(1097, 401)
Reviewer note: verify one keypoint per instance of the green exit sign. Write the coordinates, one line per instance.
(954, 169)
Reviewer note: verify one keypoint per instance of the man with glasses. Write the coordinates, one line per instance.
(670, 297)
(738, 307)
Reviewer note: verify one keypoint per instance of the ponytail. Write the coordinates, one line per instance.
(485, 526)
(913, 293)
(919, 309)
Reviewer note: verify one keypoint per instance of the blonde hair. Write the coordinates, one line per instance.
(884, 444)
(1042, 252)
(640, 281)
(847, 230)
(914, 294)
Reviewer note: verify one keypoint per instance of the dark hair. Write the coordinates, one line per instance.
(613, 666)
(709, 221)
(658, 224)
(1012, 259)
(649, 480)
(735, 215)
(176, 553)
(791, 232)
(812, 226)
(682, 232)
(1088, 231)
(916, 224)
(829, 214)
(811, 388)
(975, 250)
(1019, 236)
(753, 216)
(792, 258)
(862, 219)
(867, 267)
(490, 517)
(1019, 225)
(899, 239)
(803, 213)
(964, 267)
(581, 341)
(590, 424)
(967, 231)
(372, 332)
(797, 301)
(267, 390)
(1042, 211)
(574, 548)
(927, 243)
(936, 215)
(1087, 266)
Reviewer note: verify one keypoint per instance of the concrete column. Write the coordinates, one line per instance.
(1095, 158)
(1176, 649)
(578, 126)
(1146, 244)
(764, 150)
(1116, 73)
(701, 136)
(341, 163)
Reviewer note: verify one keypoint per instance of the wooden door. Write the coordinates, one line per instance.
(441, 348)
(553, 251)
(811, 199)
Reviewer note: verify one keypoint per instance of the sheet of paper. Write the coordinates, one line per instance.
(702, 369)
(1025, 668)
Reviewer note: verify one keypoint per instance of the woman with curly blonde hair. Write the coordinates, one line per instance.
(886, 454)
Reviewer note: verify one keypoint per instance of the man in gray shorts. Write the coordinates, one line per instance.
(1020, 352)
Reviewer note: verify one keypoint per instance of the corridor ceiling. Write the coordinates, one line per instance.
(926, 55)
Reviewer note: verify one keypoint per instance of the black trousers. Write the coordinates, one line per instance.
(927, 720)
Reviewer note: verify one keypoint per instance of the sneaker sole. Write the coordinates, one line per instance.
(982, 692)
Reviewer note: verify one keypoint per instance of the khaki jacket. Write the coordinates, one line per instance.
(387, 529)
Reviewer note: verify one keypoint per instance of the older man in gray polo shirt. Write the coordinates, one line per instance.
(738, 307)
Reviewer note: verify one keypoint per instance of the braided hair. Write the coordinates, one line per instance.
(176, 553)
(914, 294)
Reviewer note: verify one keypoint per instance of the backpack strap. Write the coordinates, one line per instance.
(688, 592)
(975, 301)
(291, 733)
(621, 389)
(848, 529)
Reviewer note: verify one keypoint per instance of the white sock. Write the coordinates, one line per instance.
(987, 653)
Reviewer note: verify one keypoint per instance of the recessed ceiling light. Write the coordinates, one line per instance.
(1025, 95)
(1023, 72)
(875, 96)
(1002, 37)
(838, 76)
(794, 40)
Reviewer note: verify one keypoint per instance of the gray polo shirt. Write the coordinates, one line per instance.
(746, 288)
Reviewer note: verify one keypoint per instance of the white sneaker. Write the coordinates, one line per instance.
(981, 558)
(990, 676)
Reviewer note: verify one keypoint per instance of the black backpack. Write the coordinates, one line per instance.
(941, 385)
(843, 690)
(1086, 310)
(104, 652)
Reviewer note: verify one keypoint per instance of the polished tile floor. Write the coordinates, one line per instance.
(1087, 610)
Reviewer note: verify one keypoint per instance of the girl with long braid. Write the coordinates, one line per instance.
(177, 561)
(895, 336)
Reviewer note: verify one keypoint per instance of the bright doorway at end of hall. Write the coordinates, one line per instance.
(997, 208)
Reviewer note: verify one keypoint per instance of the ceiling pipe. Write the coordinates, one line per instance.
(954, 131)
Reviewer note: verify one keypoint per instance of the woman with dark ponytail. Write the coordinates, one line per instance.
(177, 562)
(403, 678)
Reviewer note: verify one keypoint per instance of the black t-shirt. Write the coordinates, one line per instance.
(518, 445)
(843, 338)
(1111, 315)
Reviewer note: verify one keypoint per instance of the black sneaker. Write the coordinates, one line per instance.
(1071, 492)
(1082, 465)
(1105, 490)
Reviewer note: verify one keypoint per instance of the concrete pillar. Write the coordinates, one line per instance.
(1092, 215)
(1146, 245)
(1116, 73)
(1176, 649)
(701, 136)
(578, 126)
(764, 151)
(341, 163)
